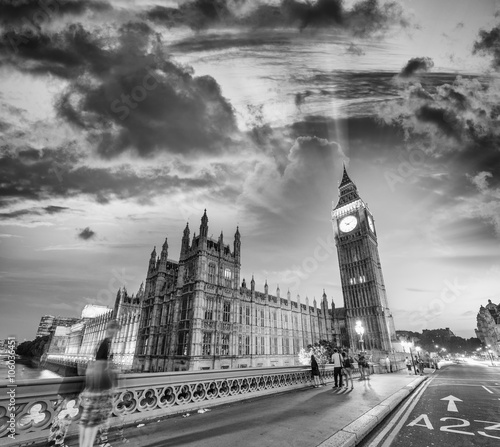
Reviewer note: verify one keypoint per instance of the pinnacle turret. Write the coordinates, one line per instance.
(204, 226)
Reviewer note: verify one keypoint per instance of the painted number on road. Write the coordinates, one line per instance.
(496, 426)
(424, 421)
(448, 427)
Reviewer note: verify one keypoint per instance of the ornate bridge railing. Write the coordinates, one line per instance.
(141, 396)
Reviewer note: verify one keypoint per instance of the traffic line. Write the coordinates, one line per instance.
(412, 400)
(489, 391)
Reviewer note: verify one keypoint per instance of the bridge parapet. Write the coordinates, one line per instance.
(144, 396)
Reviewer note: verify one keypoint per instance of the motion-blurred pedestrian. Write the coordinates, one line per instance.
(97, 397)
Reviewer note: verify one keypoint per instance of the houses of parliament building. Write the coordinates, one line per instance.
(198, 313)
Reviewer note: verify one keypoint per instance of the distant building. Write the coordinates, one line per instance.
(93, 310)
(59, 340)
(78, 343)
(48, 324)
(198, 314)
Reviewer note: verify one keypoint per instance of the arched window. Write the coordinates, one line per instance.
(212, 273)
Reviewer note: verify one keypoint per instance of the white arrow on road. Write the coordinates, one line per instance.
(451, 403)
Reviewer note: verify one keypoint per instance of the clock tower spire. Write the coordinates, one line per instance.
(360, 270)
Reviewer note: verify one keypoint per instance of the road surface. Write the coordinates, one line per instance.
(458, 405)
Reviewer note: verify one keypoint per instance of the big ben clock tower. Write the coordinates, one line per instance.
(363, 286)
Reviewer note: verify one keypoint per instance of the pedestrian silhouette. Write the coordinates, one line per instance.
(100, 384)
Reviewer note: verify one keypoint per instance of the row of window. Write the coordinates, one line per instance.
(212, 275)
(359, 280)
(211, 347)
(245, 316)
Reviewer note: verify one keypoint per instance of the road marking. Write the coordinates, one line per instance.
(402, 414)
(451, 403)
(489, 391)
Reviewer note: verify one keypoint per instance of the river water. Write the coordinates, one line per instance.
(24, 371)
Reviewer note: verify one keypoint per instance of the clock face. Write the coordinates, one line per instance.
(348, 223)
(370, 223)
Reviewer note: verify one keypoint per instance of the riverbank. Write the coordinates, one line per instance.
(25, 369)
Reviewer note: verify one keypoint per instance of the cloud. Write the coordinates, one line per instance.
(53, 209)
(36, 13)
(489, 43)
(33, 211)
(486, 203)
(416, 65)
(367, 17)
(86, 234)
(448, 117)
(354, 49)
(301, 97)
(125, 94)
(269, 197)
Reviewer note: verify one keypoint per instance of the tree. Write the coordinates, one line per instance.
(34, 348)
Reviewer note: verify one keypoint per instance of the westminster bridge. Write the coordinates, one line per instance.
(141, 397)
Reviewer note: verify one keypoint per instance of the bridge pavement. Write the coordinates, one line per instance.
(308, 417)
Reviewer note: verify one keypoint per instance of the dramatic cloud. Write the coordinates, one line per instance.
(32, 14)
(367, 17)
(448, 117)
(416, 65)
(86, 234)
(305, 167)
(52, 173)
(489, 43)
(486, 203)
(126, 94)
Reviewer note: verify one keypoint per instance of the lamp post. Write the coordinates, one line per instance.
(360, 330)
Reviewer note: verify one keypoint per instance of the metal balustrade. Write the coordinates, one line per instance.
(146, 395)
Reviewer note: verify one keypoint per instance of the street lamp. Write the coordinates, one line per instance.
(360, 330)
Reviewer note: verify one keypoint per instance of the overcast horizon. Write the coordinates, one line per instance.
(121, 121)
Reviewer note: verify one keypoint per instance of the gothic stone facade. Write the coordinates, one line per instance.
(195, 314)
(360, 270)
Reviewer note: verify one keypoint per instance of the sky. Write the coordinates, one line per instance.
(121, 121)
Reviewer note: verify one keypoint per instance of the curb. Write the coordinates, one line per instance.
(353, 433)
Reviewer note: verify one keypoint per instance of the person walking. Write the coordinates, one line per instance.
(421, 365)
(361, 366)
(388, 364)
(337, 368)
(315, 372)
(408, 365)
(347, 364)
(97, 397)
